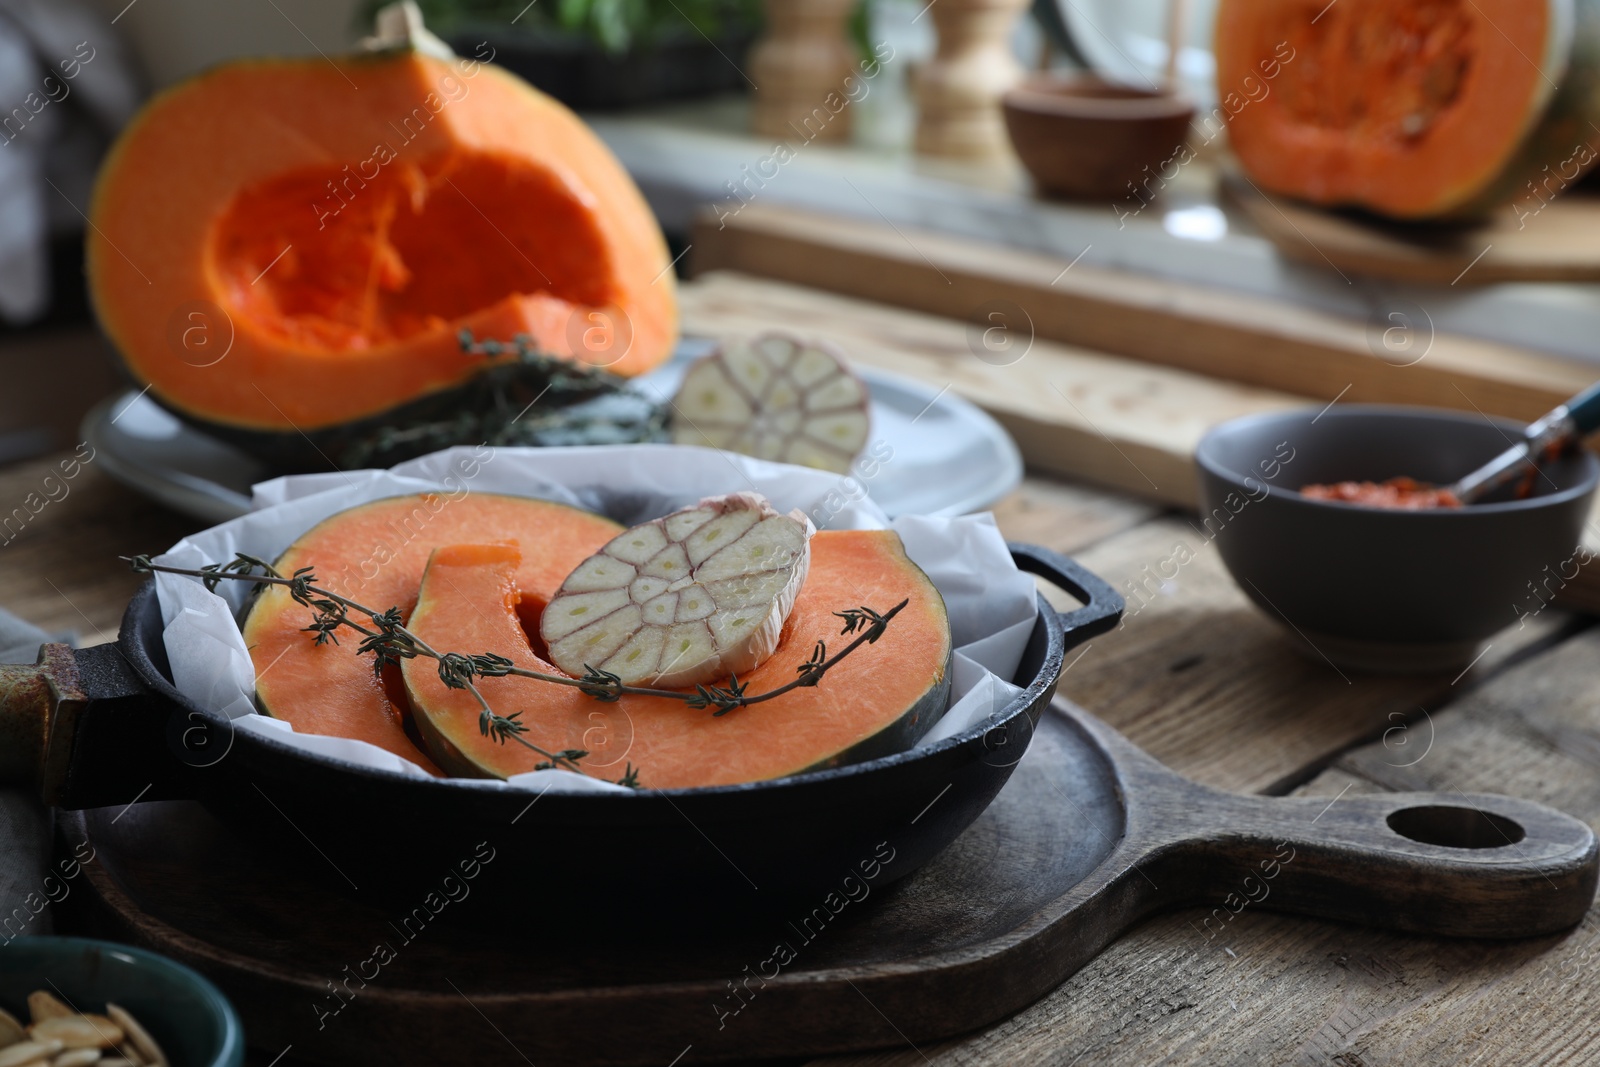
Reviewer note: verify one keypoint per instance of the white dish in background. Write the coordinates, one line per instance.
(948, 457)
(1125, 41)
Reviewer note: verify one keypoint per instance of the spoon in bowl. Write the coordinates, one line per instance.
(1543, 439)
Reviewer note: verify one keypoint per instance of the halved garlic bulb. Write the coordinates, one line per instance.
(775, 397)
(689, 598)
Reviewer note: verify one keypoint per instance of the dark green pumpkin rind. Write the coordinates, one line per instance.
(896, 736)
(899, 735)
(505, 404)
(1566, 127)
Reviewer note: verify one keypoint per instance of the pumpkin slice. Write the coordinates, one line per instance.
(375, 554)
(878, 700)
(1411, 108)
(775, 397)
(692, 597)
(286, 245)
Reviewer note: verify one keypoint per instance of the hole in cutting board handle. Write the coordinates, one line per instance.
(1452, 827)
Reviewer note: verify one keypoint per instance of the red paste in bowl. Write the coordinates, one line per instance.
(1406, 494)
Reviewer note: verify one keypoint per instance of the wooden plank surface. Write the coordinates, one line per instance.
(1116, 422)
(1206, 683)
(1214, 332)
(1275, 989)
(38, 415)
(1067, 518)
(60, 570)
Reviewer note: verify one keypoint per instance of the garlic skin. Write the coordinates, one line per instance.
(683, 600)
(775, 397)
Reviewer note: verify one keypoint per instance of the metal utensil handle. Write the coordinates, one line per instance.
(1102, 605)
(1584, 410)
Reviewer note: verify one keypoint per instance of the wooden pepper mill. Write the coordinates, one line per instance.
(799, 67)
(959, 89)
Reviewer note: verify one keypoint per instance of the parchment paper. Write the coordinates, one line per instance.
(991, 604)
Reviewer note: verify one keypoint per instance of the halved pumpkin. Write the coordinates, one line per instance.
(285, 245)
(376, 554)
(876, 701)
(1414, 109)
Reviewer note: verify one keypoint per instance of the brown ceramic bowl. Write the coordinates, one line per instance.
(1083, 137)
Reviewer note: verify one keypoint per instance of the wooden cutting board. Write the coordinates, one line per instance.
(1532, 239)
(1205, 330)
(1090, 836)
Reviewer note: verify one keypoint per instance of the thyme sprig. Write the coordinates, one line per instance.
(521, 396)
(387, 639)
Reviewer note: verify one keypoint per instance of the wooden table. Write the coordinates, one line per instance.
(1204, 682)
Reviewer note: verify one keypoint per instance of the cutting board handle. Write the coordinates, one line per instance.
(1444, 863)
(1454, 864)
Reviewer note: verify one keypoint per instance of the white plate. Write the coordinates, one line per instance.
(1126, 41)
(949, 458)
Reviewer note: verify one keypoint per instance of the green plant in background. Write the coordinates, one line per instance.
(615, 25)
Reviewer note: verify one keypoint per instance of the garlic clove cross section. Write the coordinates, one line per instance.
(689, 598)
(775, 397)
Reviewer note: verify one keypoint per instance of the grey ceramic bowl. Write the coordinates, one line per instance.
(1378, 589)
(191, 1020)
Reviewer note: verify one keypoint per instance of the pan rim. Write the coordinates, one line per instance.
(131, 640)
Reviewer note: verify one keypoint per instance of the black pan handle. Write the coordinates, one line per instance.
(80, 728)
(1102, 605)
(40, 704)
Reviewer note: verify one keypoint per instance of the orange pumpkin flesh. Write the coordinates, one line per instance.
(1410, 108)
(375, 554)
(878, 700)
(347, 219)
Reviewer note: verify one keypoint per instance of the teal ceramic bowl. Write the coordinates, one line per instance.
(187, 1015)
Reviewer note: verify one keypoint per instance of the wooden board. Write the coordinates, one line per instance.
(1529, 240)
(1210, 331)
(1088, 837)
(38, 415)
(1276, 989)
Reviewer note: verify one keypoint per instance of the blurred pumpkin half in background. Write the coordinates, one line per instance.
(286, 247)
(1412, 109)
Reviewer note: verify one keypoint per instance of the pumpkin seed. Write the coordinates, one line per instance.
(138, 1036)
(78, 1031)
(11, 1031)
(78, 1057)
(43, 1004)
(26, 1052)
